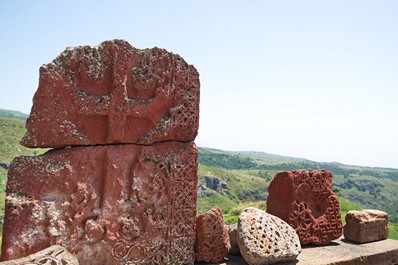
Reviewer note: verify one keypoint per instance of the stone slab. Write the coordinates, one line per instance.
(114, 93)
(339, 252)
(52, 255)
(118, 204)
(366, 226)
(212, 239)
(304, 199)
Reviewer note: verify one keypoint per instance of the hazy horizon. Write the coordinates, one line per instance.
(310, 79)
(260, 151)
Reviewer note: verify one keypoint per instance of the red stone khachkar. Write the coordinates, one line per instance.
(212, 239)
(122, 190)
(305, 200)
(114, 93)
(106, 204)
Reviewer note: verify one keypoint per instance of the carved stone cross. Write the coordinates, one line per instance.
(117, 107)
(114, 93)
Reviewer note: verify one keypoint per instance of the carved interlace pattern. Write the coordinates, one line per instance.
(121, 200)
(167, 229)
(315, 213)
(212, 243)
(136, 210)
(52, 256)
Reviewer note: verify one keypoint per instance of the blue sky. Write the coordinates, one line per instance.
(313, 79)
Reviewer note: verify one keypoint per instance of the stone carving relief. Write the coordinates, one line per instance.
(53, 255)
(114, 93)
(305, 200)
(120, 185)
(136, 204)
(212, 240)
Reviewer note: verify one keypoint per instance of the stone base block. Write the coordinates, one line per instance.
(366, 226)
(119, 204)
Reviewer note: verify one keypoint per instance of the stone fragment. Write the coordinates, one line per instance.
(52, 255)
(266, 239)
(366, 226)
(341, 252)
(114, 93)
(212, 240)
(305, 200)
(116, 204)
(233, 239)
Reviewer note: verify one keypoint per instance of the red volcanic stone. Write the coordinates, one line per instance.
(118, 204)
(212, 239)
(305, 200)
(114, 93)
(51, 255)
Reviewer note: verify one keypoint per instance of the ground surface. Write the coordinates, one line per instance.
(341, 252)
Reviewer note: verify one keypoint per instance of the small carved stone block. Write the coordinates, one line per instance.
(366, 226)
(114, 93)
(212, 240)
(305, 200)
(116, 204)
(266, 239)
(54, 255)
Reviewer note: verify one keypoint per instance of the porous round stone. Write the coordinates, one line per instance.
(305, 200)
(114, 93)
(212, 240)
(366, 226)
(266, 239)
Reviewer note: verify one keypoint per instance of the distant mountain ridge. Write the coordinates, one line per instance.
(13, 114)
(262, 160)
(264, 155)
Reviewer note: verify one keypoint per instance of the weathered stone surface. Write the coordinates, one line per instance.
(305, 200)
(233, 239)
(212, 240)
(118, 204)
(366, 226)
(340, 252)
(114, 93)
(266, 239)
(51, 255)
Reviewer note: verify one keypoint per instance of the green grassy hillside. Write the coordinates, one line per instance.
(368, 187)
(13, 114)
(11, 132)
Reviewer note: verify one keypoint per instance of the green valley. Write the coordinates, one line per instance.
(368, 187)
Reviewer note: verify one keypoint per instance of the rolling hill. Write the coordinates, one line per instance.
(366, 186)
(13, 114)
